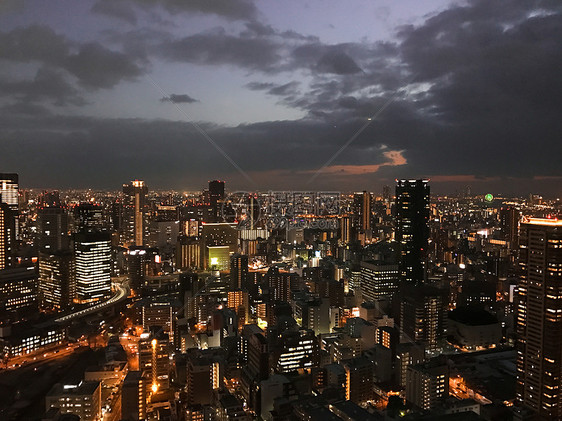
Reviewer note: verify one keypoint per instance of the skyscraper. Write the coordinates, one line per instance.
(216, 195)
(9, 190)
(56, 280)
(216, 191)
(509, 223)
(362, 210)
(93, 266)
(539, 317)
(52, 229)
(9, 195)
(134, 210)
(412, 227)
(7, 235)
(239, 271)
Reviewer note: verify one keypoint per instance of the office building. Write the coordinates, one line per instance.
(52, 229)
(89, 217)
(427, 384)
(216, 192)
(239, 271)
(158, 314)
(154, 357)
(296, 350)
(8, 223)
(362, 211)
(9, 190)
(539, 317)
(358, 380)
(204, 376)
(56, 280)
(509, 224)
(18, 289)
(92, 253)
(345, 230)
(378, 280)
(83, 399)
(218, 258)
(188, 253)
(134, 394)
(134, 212)
(412, 228)
(423, 315)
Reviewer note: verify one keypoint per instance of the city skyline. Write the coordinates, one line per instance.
(313, 96)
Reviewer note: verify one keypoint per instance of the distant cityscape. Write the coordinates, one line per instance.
(281, 305)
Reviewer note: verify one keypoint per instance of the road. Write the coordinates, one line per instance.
(121, 293)
(45, 355)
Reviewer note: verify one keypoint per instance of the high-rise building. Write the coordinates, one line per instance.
(93, 266)
(427, 383)
(239, 271)
(378, 280)
(386, 194)
(345, 230)
(359, 380)
(154, 357)
(89, 217)
(539, 317)
(204, 376)
(412, 228)
(9, 190)
(188, 253)
(56, 280)
(423, 314)
(9, 195)
(362, 211)
(52, 229)
(18, 289)
(159, 314)
(509, 223)
(83, 399)
(134, 393)
(134, 212)
(7, 235)
(216, 192)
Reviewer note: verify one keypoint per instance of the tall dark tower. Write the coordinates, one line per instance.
(238, 271)
(362, 211)
(216, 191)
(509, 223)
(538, 318)
(216, 195)
(134, 211)
(412, 228)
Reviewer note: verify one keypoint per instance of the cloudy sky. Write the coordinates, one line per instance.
(292, 94)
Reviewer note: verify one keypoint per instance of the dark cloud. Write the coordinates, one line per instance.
(63, 67)
(94, 65)
(97, 67)
(48, 85)
(476, 95)
(262, 48)
(35, 42)
(179, 99)
(285, 89)
(117, 9)
(218, 47)
(229, 9)
(338, 63)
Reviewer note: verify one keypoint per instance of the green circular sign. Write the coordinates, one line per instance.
(489, 197)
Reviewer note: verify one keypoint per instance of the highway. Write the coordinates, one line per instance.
(121, 294)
